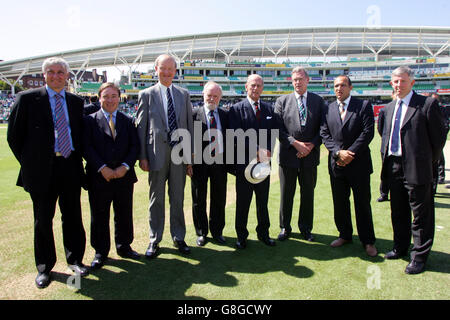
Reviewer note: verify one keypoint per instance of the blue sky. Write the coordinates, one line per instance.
(75, 24)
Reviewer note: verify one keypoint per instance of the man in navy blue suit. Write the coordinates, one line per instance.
(251, 115)
(110, 149)
(347, 132)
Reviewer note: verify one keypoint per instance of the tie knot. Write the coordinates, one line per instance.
(211, 113)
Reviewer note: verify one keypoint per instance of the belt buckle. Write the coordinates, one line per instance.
(58, 154)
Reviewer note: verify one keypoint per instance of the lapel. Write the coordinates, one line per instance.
(43, 100)
(411, 109)
(388, 114)
(177, 102)
(102, 123)
(292, 109)
(158, 105)
(351, 108)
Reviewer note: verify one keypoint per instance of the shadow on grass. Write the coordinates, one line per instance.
(171, 275)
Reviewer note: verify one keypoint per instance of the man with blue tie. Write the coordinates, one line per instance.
(165, 112)
(213, 122)
(413, 137)
(44, 133)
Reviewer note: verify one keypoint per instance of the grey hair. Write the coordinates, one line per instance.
(212, 83)
(403, 70)
(299, 70)
(165, 55)
(55, 60)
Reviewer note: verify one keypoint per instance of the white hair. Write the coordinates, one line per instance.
(211, 84)
(55, 60)
(404, 70)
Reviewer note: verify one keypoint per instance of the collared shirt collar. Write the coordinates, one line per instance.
(106, 113)
(207, 110)
(52, 93)
(346, 101)
(298, 95)
(252, 103)
(407, 99)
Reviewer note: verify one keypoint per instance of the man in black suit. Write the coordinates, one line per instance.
(44, 133)
(413, 136)
(347, 132)
(301, 114)
(110, 149)
(256, 120)
(212, 122)
(92, 107)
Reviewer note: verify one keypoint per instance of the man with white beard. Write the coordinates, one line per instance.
(214, 122)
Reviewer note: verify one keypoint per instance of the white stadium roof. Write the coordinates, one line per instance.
(271, 43)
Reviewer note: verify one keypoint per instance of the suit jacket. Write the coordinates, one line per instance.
(199, 115)
(242, 116)
(354, 133)
(286, 107)
(152, 127)
(100, 148)
(91, 108)
(380, 126)
(31, 137)
(422, 135)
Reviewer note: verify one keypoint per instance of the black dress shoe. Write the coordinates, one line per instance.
(415, 267)
(182, 246)
(394, 254)
(201, 241)
(241, 244)
(130, 254)
(220, 239)
(98, 262)
(42, 280)
(308, 236)
(267, 241)
(79, 269)
(152, 251)
(382, 199)
(284, 235)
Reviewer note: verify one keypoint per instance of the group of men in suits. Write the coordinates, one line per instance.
(49, 136)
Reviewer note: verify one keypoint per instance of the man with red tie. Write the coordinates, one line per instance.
(252, 115)
(44, 133)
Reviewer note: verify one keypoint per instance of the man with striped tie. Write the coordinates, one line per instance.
(164, 109)
(300, 114)
(44, 133)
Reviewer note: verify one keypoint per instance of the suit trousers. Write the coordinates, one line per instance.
(44, 204)
(244, 194)
(100, 198)
(217, 175)
(307, 178)
(175, 176)
(360, 186)
(407, 198)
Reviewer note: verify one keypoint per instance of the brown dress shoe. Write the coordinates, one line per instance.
(339, 242)
(371, 250)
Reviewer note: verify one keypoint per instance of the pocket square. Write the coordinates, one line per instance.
(268, 117)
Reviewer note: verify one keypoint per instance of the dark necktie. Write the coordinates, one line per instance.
(257, 111)
(212, 125)
(62, 128)
(396, 130)
(172, 120)
(302, 110)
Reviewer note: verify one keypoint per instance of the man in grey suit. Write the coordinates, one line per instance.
(164, 123)
(300, 114)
